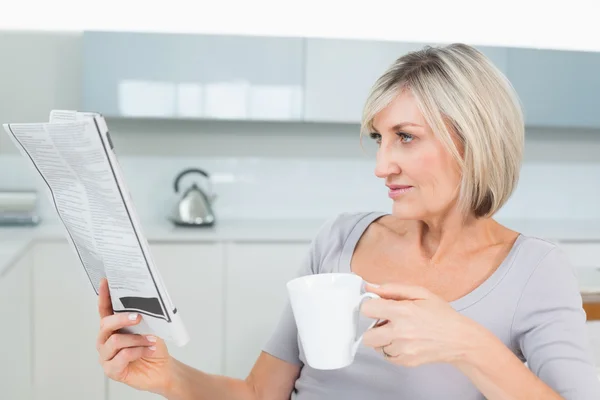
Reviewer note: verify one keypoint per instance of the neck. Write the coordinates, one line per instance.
(453, 234)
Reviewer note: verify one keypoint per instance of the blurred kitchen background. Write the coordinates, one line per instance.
(274, 123)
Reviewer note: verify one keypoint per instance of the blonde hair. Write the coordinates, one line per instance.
(462, 94)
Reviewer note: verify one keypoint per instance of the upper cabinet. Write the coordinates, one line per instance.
(497, 55)
(340, 73)
(193, 76)
(557, 88)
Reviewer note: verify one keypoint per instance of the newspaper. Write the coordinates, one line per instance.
(74, 155)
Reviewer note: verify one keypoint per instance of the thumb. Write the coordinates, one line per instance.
(398, 291)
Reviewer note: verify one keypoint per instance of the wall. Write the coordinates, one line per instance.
(38, 71)
(264, 169)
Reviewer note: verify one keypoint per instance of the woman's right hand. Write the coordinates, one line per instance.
(142, 362)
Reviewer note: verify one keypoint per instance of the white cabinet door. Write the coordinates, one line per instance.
(66, 321)
(15, 335)
(193, 76)
(193, 274)
(557, 88)
(255, 296)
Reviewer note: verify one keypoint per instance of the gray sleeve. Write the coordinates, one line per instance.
(283, 342)
(550, 329)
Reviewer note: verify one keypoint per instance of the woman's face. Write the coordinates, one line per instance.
(421, 174)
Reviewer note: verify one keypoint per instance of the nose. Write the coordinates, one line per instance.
(386, 164)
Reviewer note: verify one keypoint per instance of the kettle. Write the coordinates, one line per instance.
(195, 206)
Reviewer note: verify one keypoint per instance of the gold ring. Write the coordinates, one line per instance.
(385, 354)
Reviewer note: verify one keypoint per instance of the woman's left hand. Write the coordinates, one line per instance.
(419, 327)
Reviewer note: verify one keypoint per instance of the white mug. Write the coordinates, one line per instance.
(326, 308)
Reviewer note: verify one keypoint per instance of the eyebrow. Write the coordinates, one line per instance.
(404, 124)
(401, 125)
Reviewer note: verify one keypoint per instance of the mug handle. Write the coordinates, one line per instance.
(360, 303)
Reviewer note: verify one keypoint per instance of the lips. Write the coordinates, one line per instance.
(397, 187)
(398, 190)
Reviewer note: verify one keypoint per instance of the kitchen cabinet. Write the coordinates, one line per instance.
(66, 319)
(15, 335)
(254, 297)
(131, 74)
(556, 88)
(341, 72)
(193, 274)
(497, 55)
(229, 77)
(66, 323)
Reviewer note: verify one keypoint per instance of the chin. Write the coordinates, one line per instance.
(407, 211)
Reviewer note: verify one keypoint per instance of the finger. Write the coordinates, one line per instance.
(378, 337)
(403, 353)
(382, 309)
(112, 323)
(104, 303)
(398, 291)
(115, 367)
(120, 341)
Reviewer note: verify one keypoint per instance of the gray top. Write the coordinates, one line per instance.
(531, 302)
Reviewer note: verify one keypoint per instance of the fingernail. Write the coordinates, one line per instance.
(152, 348)
(151, 339)
(133, 316)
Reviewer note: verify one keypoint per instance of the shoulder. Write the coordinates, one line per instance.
(548, 278)
(549, 325)
(541, 259)
(340, 226)
(334, 233)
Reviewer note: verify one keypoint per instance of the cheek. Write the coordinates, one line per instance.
(436, 170)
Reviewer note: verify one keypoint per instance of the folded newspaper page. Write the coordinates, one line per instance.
(74, 156)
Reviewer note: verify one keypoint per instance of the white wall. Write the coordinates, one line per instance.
(41, 71)
(38, 72)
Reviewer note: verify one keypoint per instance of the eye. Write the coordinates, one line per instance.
(405, 137)
(375, 136)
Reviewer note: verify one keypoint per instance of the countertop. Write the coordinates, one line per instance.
(15, 241)
(239, 230)
(291, 230)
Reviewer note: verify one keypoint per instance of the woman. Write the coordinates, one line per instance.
(466, 300)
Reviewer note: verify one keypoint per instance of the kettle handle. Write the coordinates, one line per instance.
(185, 172)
